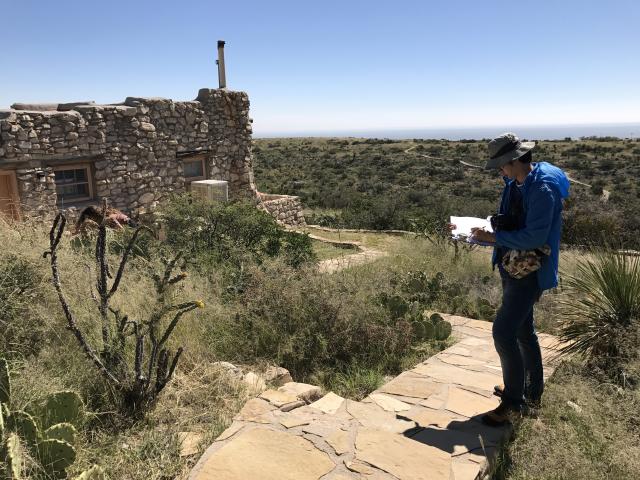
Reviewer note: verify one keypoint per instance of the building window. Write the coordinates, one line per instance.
(73, 183)
(194, 169)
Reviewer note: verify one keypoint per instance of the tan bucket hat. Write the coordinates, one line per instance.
(506, 148)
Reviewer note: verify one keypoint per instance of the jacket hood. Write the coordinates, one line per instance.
(551, 175)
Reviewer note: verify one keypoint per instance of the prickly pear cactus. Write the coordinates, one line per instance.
(14, 458)
(431, 327)
(4, 423)
(397, 305)
(63, 407)
(53, 448)
(485, 308)
(25, 427)
(5, 382)
(55, 456)
(94, 473)
(61, 431)
(430, 330)
(442, 328)
(2, 420)
(418, 329)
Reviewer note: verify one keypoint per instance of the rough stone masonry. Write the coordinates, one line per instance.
(61, 156)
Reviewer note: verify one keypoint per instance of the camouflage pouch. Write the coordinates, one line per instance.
(520, 263)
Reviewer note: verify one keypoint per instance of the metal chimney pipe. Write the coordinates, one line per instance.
(222, 77)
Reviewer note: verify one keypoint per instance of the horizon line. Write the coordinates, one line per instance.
(463, 127)
(473, 132)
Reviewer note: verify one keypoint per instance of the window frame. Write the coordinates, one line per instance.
(76, 166)
(191, 159)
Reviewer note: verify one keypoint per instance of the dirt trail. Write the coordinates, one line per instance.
(365, 255)
(466, 164)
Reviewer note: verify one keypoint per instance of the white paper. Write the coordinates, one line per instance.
(465, 224)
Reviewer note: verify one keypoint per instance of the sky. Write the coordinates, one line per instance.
(337, 65)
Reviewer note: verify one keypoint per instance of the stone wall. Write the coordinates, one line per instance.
(286, 209)
(134, 150)
(37, 190)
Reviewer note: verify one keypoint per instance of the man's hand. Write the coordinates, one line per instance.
(481, 235)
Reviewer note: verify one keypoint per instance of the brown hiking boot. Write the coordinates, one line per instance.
(502, 415)
(532, 405)
(531, 409)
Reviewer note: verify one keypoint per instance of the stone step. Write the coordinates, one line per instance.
(422, 425)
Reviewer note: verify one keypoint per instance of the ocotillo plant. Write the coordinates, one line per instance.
(141, 380)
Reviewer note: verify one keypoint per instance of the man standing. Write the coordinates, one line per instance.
(529, 218)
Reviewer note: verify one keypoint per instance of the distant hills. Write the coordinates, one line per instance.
(533, 132)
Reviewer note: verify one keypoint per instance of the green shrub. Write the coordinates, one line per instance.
(587, 223)
(354, 382)
(308, 322)
(297, 249)
(232, 233)
(332, 220)
(381, 213)
(602, 312)
(591, 222)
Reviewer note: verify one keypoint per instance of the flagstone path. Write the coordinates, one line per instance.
(364, 255)
(361, 253)
(422, 425)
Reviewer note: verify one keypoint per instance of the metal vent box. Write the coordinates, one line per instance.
(211, 190)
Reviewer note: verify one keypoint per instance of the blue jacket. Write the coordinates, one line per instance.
(542, 194)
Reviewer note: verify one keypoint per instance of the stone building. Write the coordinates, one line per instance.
(66, 156)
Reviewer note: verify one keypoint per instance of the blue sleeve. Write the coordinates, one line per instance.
(540, 210)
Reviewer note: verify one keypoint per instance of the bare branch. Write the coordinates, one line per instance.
(171, 264)
(125, 256)
(161, 370)
(54, 240)
(123, 322)
(174, 363)
(55, 234)
(92, 294)
(153, 356)
(160, 384)
(101, 280)
(139, 355)
(167, 333)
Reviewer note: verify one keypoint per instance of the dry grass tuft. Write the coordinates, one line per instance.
(202, 400)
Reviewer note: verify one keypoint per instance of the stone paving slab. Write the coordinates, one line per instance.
(266, 454)
(423, 424)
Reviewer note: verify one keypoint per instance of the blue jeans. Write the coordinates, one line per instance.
(516, 342)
